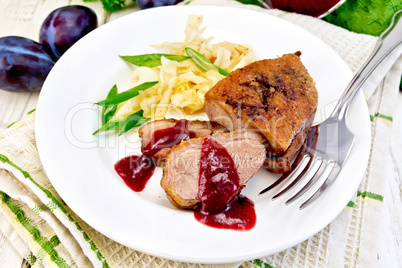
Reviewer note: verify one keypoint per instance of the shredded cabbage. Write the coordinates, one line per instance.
(182, 85)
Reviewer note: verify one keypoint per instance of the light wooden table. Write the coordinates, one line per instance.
(24, 18)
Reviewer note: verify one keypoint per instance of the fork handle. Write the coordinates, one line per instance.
(387, 42)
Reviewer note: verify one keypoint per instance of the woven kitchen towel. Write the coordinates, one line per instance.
(48, 234)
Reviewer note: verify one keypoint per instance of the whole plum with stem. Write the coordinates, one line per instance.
(65, 26)
(24, 64)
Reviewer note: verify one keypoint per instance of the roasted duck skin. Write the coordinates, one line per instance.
(275, 97)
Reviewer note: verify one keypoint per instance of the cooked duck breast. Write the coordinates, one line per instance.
(274, 97)
(199, 128)
(181, 170)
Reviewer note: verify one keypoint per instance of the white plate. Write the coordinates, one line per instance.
(80, 165)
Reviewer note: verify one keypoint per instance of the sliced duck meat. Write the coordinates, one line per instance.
(181, 170)
(274, 97)
(160, 135)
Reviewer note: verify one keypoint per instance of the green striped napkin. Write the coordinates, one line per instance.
(47, 233)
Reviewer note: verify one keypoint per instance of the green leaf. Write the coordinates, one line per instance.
(203, 62)
(367, 17)
(199, 59)
(113, 5)
(111, 125)
(109, 110)
(126, 95)
(152, 60)
(133, 120)
(222, 71)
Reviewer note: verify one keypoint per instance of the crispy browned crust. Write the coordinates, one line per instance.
(273, 96)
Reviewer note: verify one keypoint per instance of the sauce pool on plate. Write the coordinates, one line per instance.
(137, 170)
(221, 207)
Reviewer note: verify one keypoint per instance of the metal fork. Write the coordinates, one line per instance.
(335, 140)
